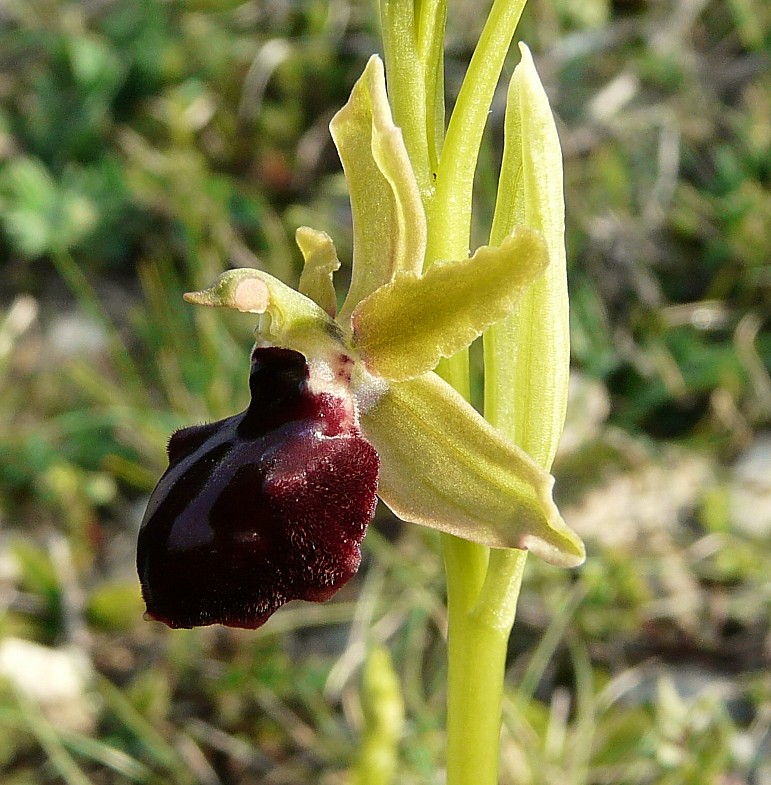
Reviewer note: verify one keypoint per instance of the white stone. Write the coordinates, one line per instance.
(56, 679)
(750, 489)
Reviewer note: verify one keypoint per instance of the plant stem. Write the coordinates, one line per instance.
(482, 585)
(449, 221)
(449, 212)
(407, 86)
(431, 25)
(481, 602)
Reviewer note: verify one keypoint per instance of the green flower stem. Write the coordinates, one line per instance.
(449, 218)
(407, 86)
(431, 25)
(477, 645)
(482, 585)
(482, 590)
(449, 214)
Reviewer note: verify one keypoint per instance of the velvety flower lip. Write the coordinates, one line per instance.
(261, 508)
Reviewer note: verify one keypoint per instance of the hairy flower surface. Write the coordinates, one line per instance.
(261, 508)
(271, 504)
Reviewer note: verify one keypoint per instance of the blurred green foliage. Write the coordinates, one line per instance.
(144, 147)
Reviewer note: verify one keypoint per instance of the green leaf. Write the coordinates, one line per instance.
(288, 318)
(321, 262)
(405, 327)
(527, 355)
(389, 224)
(444, 467)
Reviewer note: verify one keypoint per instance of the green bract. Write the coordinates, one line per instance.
(533, 342)
(442, 464)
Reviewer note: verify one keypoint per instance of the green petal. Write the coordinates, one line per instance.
(288, 318)
(321, 261)
(389, 225)
(444, 467)
(405, 327)
(527, 355)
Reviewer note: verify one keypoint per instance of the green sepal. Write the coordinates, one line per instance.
(444, 467)
(321, 262)
(287, 318)
(389, 224)
(405, 327)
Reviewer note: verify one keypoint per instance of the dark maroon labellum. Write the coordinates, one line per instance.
(264, 507)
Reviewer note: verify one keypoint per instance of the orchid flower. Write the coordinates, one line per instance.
(272, 504)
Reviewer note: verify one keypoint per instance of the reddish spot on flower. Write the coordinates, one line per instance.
(264, 507)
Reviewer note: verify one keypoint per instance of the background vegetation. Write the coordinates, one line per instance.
(145, 146)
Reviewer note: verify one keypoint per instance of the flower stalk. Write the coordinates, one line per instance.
(483, 584)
